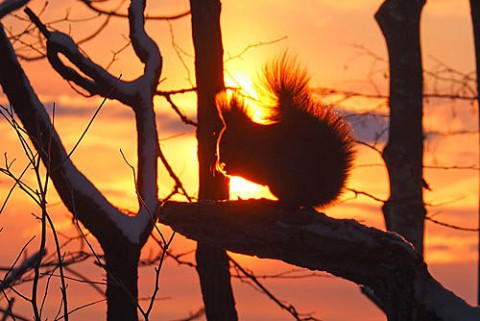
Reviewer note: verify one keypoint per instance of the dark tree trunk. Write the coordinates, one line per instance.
(212, 261)
(404, 211)
(475, 14)
(122, 292)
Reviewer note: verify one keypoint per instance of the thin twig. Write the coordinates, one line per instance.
(289, 308)
(115, 13)
(90, 122)
(455, 227)
(157, 276)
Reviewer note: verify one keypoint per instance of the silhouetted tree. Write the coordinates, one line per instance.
(212, 262)
(475, 14)
(383, 262)
(120, 236)
(404, 211)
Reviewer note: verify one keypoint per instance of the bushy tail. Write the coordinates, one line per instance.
(286, 84)
(322, 133)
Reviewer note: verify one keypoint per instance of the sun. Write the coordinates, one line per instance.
(241, 188)
(248, 89)
(242, 80)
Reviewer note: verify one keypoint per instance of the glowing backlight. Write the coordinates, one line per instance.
(242, 81)
(241, 188)
(248, 90)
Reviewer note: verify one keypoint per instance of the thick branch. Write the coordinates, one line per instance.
(76, 191)
(137, 94)
(384, 262)
(8, 6)
(97, 81)
(145, 48)
(80, 196)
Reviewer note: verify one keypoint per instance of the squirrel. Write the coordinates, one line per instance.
(304, 154)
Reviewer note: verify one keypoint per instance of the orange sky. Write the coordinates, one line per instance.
(331, 39)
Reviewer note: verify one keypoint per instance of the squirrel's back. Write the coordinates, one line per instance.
(304, 155)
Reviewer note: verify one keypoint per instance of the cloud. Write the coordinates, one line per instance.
(369, 128)
(167, 122)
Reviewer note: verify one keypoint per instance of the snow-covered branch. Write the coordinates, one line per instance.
(96, 80)
(77, 192)
(80, 196)
(17, 272)
(384, 262)
(9, 6)
(145, 48)
(138, 94)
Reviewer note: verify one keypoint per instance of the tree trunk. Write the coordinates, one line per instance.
(475, 14)
(212, 261)
(404, 211)
(122, 290)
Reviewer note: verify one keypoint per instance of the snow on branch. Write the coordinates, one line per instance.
(382, 261)
(138, 94)
(79, 195)
(8, 6)
(17, 272)
(145, 48)
(97, 82)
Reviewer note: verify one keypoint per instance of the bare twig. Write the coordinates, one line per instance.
(90, 122)
(183, 117)
(289, 308)
(157, 276)
(115, 13)
(452, 226)
(173, 175)
(357, 192)
(193, 316)
(252, 46)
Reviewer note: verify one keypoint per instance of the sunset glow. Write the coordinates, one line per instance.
(343, 50)
(241, 188)
(247, 90)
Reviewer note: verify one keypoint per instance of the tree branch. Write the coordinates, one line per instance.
(8, 6)
(145, 48)
(138, 94)
(97, 80)
(77, 192)
(114, 13)
(383, 261)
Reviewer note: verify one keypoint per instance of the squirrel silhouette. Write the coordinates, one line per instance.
(303, 154)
